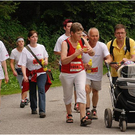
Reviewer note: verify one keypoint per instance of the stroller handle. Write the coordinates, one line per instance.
(107, 65)
(121, 63)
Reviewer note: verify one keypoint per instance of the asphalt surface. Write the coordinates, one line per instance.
(16, 120)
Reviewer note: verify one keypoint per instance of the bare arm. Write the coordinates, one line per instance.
(4, 64)
(67, 59)
(57, 53)
(116, 66)
(89, 48)
(13, 67)
(131, 59)
(108, 59)
(46, 61)
(24, 73)
(87, 66)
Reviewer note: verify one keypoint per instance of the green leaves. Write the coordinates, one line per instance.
(6, 8)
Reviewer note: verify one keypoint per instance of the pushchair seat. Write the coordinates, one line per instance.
(127, 84)
(127, 71)
(125, 92)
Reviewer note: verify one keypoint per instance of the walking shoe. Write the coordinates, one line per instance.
(88, 113)
(34, 112)
(42, 115)
(22, 104)
(85, 121)
(94, 114)
(76, 107)
(26, 101)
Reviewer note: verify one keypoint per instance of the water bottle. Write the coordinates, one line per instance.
(78, 47)
(90, 64)
(44, 67)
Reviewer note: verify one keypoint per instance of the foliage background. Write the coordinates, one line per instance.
(46, 17)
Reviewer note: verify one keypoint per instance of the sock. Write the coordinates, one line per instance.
(87, 108)
(94, 107)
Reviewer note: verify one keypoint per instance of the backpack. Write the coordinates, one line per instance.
(69, 46)
(127, 46)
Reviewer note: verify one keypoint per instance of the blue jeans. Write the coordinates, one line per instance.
(41, 80)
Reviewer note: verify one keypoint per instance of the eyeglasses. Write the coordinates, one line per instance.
(122, 33)
(84, 35)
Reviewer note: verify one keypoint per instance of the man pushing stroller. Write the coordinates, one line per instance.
(121, 49)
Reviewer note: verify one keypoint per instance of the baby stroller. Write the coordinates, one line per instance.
(122, 97)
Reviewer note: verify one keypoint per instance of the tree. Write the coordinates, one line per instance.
(6, 8)
(46, 17)
(105, 15)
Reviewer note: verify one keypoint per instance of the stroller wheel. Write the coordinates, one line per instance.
(123, 126)
(108, 118)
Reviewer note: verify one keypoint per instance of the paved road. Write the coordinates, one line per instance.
(15, 120)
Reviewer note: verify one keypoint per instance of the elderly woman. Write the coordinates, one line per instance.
(72, 72)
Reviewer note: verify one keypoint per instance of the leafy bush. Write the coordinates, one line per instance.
(9, 31)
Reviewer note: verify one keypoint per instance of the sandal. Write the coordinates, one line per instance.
(85, 121)
(76, 107)
(88, 113)
(69, 118)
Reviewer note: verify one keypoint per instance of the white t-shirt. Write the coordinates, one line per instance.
(15, 55)
(28, 60)
(58, 44)
(3, 56)
(101, 52)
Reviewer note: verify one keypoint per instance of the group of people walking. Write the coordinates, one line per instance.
(76, 48)
(28, 71)
(77, 74)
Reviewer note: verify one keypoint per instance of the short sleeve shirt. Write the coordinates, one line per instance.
(15, 55)
(119, 53)
(101, 52)
(3, 52)
(58, 44)
(57, 47)
(3, 56)
(28, 60)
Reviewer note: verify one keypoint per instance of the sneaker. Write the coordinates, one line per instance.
(76, 107)
(26, 101)
(42, 115)
(88, 113)
(94, 114)
(34, 112)
(22, 104)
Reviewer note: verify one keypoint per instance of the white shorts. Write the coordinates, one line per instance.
(1, 73)
(68, 81)
(96, 85)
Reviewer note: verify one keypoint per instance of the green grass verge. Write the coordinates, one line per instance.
(12, 87)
